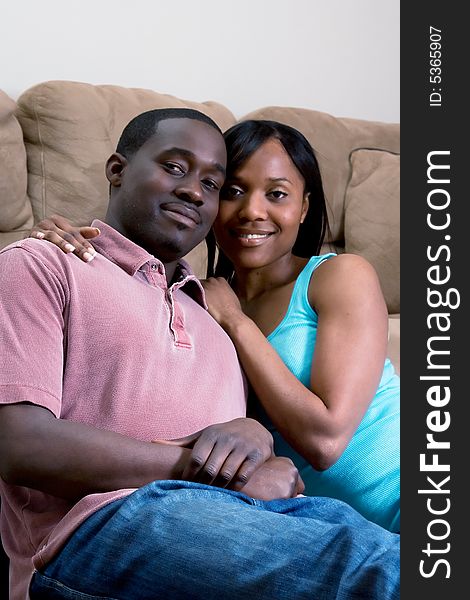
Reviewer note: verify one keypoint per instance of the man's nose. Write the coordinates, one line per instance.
(190, 190)
(253, 208)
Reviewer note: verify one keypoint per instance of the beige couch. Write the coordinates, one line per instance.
(55, 139)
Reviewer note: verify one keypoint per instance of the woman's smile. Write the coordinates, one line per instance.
(261, 207)
(248, 238)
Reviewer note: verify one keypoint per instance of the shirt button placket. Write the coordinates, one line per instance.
(154, 273)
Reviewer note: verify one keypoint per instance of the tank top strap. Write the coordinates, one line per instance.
(300, 292)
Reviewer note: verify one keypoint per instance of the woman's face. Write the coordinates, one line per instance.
(261, 208)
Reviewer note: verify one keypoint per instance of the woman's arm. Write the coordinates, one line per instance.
(347, 363)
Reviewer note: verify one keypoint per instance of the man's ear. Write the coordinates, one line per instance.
(305, 204)
(115, 166)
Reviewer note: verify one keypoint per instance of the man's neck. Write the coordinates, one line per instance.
(170, 267)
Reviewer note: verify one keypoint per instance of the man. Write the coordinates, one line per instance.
(103, 359)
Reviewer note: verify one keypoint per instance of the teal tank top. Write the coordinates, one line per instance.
(367, 475)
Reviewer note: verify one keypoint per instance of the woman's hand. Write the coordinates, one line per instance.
(62, 233)
(222, 302)
(226, 454)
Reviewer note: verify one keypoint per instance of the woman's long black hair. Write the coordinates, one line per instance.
(242, 140)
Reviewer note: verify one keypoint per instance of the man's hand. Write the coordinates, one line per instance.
(277, 478)
(226, 454)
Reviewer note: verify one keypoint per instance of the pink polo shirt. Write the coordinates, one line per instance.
(108, 344)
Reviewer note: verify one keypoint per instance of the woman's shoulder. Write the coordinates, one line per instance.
(341, 265)
(340, 276)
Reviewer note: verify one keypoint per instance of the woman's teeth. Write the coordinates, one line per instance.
(253, 236)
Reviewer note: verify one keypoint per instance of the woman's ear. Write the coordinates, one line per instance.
(115, 166)
(305, 205)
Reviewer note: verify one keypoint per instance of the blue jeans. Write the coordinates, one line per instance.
(183, 540)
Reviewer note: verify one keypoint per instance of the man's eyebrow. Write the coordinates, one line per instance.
(189, 154)
(220, 168)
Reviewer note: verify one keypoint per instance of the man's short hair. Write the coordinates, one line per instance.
(144, 126)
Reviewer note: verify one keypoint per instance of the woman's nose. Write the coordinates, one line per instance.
(253, 208)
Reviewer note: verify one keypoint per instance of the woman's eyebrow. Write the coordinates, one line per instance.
(279, 179)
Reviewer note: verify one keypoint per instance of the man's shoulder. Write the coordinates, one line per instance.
(30, 252)
(32, 245)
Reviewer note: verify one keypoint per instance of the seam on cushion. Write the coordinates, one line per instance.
(373, 150)
(43, 162)
(18, 231)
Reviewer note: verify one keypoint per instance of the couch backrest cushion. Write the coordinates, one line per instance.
(372, 217)
(15, 214)
(71, 128)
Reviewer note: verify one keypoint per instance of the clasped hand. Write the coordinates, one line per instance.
(239, 455)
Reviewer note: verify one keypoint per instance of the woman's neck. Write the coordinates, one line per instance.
(250, 284)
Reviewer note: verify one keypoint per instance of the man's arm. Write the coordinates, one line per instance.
(70, 460)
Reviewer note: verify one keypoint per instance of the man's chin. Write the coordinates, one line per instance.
(172, 250)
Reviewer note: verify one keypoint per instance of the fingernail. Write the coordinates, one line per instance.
(97, 230)
(69, 247)
(39, 234)
(88, 257)
(91, 250)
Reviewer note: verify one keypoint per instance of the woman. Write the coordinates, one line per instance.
(310, 331)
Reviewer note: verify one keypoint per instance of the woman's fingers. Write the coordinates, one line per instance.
(89, 232)
(60, 232)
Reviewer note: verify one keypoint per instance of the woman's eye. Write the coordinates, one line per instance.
(174, 168)
(230, 192)
(277, 194)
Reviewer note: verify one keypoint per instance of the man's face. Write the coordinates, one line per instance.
(166, 196)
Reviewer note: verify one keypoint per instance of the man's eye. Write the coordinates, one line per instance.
(174, 168)
(211, 184)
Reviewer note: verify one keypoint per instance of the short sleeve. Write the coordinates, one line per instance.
(32, 307)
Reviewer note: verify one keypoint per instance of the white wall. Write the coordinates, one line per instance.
(337, 56)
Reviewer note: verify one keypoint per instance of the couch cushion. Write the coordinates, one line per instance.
(372, 217)
(16, 213)
(71, 128)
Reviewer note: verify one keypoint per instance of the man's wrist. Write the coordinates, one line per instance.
(171, 460)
